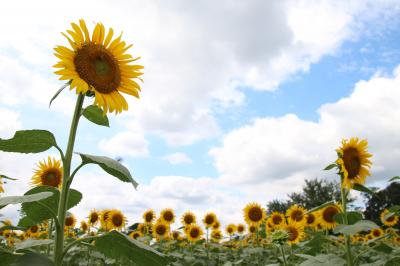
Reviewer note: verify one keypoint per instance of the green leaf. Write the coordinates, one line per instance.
(12, 227)
(27, 198)
(28, 141)
(117, 245)
(94, 114)
(322, 260)
(111, 166)
(329, 167)
(352, 217)
(32, 243)
(26, 222)
(44, 210)
(6, 177)
(33, 259)
(395, 261)
(363, 188)
(328, 203)
(394, 208)
(58, 92)
(394, 178)
(7, 258)
(363, 225)
(382, 247)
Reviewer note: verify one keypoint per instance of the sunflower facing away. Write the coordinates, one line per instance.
(388, 221)
(353, 162)
(48, 173)
(188, 218)
(100, 65)
(254, 214)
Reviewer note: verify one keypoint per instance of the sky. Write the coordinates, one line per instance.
(241, 101)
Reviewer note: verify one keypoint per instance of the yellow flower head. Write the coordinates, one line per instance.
(188, 218)
(295, 232)
(376, 232)
(93, 217)
(160, 229)
(99, 65)
(116, 220)
(135, 234)
(194, 233)
(230, 229)
(240, 228)
(296, 214)
(70, 221)
(209, 219)
(84, 226)
(167, 215)
(277, 219)
(254, 214)
(149, 216)
(389, 221)
(354, 162)
(48, 173)
(326, 216)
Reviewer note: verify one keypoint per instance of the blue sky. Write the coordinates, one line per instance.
(232, 111)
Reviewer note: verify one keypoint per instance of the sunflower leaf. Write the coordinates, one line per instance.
(323, 205)
(363, 225)
(352, 217)
(6, 177)
(29, 141)
(33, 259)
(117, 245)
(329, 167)
(21, 199)
(32, 243)
(12, 227)
(111, 166)
(364, 189)
(58, 92)
(95, 114)
(394, 178)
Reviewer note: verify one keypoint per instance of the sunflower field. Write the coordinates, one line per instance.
(98, 68)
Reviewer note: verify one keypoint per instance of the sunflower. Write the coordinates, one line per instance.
(135, 234)
(296, 214)
(376, 232)
(104, 216)
(48, 173)
(176, 235)
(188, 218)
(277, 219)
(295, 232)
(84, 226)
(240, 228)
(116, 220)
(353, 162)
(326, 216)
(70, 221)
(216, 235)
(216, 225)
(98, 65)
(209, 219)
(167, 215)
(230, 229)
(254, 214)
(160, 229)
(252, 229)
(93, 218)
(389, 221)
(149, 216)
(194, 233)
(33, 231)
(311, 220)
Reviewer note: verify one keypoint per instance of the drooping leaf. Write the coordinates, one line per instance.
(94, 114)
(352, 217)
(28, 141)
(6, 177)
(329, 167)
(33, 259)
(394, 178)
(111, 166)
(12, 227)
(58, 92)
(321, 206)
(322, 260)
(394, 208)
(28, 243)
(117, 245)
(363, 225)
(4, 201)
(364, 189)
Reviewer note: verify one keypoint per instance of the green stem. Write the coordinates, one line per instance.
(208, 255)
(283, 255)
(49, 234)
(70, 245)
(349, 256)
(62, 205)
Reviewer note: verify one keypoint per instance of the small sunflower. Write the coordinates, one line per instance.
(326, 216)
(167, 215)
(93, 218)
(277, 219)
(295, 232)
(116, 220)
(99, 65)
(353, 162)
(194, 233)
(104, 216)
(311, 220)
(230, 229)
(296, 214)
(70, 221)
(376, 232)
(149, 216)
(216, 235)
(160, 229)
(188, 218)
(253, 229)
(84, 226)
(135, 234)
(390, 221)
(33, 231)
(254, 214)
(209, 219)
(216, 225)
(240, 228)
(176, 235)
(48, 173)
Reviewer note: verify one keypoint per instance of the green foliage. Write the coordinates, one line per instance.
(111, 166)
(4, 201)
(94, 114)
(360, 226)
(33, 259)
(322, 260)
(117, 245)
(364, 189)
(59, 91)
(29, 141)
(32, 243)
(352, 217)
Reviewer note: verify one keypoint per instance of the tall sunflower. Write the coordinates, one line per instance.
(311, 220)
(70, 221)
(230, 229)
(188, 218)
(160, 229)
(277, 219)
(389, 221)
(353, 162)
(99, 65)
(241, 228)
(48, 173)
(254, 214)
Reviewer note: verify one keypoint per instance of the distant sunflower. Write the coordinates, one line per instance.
(311, 220)
(33, 231)
(98, 65)
(240, 228)
(93, 218)
(216, 235)
(104, 216)
(70, 221)
(160, 229)
(295, 232)
(194, 233)
(188, 218)
(327, 214)
(176, 235)
(216, 225)
(253, 229)
(230, 229)
(353, 162)
(167, 215)
(116, 220)
(149, 216)
(209, 219)
(376, 232)
(296, 214)
(84, 226)
(135, 234)
(254, 214)
(390, 221)
(277, 219)
(48, 173)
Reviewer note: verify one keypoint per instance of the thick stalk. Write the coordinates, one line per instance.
(349, 256)
(62, 205)
(283, 255)
(49, 234)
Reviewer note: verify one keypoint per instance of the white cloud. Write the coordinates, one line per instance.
(125, 143)
(177, 158)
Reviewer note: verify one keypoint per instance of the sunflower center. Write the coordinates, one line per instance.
(297, 215)
(69, 221)
(329, 213)
(293, 233)
(175, 235)
(240, 228)
(34, 229)
(194, 232)
(94, 217)
(149, 217)
(160, 230)
(390, 219)
(255, 214)
(209, 219)
(376, 233)
(117, 219)
(51, 178)
(310, 219)
(136, 235)
(168, 216)
(352, 162)
(276, 219)
(188, 219)
(252, 229)
(98, 67)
